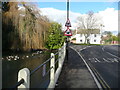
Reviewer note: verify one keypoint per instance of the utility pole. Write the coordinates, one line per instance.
(67, 9)
(67, 25)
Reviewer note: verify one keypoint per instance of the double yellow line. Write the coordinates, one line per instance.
(100, 79)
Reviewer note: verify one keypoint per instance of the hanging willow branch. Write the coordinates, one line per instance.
(24, 29)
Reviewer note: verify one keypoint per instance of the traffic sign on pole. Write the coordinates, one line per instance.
(68, 32)
(68, 24)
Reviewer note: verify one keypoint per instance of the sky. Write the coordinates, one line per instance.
(80, 7)
(106, 11)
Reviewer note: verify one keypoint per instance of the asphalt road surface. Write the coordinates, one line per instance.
(104, 60)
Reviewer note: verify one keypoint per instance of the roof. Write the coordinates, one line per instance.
(84, 31)
(91, 31)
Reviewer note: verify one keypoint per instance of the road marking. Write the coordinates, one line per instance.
(105, 60)
(102, 79)
(94, 77)
(113, 55)
(97, 59)
(109, 53)
(98, 84)
(115, 60)
(85, 48)
(103, 49)
(111, 59)
(92, 60)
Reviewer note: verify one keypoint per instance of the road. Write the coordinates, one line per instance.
(104, 61)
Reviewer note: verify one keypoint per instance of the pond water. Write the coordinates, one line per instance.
(10, 68)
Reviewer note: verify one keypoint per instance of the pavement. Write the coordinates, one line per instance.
(75, 73)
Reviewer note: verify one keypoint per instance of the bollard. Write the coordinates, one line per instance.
(60, 57)
(64, 50)
(52, 72)
(55, 75)
(52, 64)
(24, 74)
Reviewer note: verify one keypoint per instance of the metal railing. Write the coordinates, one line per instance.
(24, 74)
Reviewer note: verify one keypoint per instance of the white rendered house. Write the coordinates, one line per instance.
(94, 37)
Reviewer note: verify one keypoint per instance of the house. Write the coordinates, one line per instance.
(106, 39)
(93, 36)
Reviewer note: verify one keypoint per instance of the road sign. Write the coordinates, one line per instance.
(68, 24)
(68, 32)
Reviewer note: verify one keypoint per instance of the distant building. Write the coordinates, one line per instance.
(94, 37)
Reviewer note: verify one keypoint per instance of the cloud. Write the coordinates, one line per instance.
(60, 16)
(109, 17)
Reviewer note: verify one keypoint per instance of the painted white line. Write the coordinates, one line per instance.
(105, 60)
(80, 49)
(109, 53)
(113, 55)
(98, 84)
(97, 59)
(103, 49)
(85, 48)
(116, 60)
(92, 60)
(111, 59)
(89, 59)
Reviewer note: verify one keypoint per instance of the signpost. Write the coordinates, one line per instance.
(68, 31)
(68, 24)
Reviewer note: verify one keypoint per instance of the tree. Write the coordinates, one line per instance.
(55, 39)
(118, 37)
(108, 37)
(88, 23)
(23, 29)
(114, 38)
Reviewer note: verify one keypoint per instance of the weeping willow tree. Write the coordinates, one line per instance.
(23, 29)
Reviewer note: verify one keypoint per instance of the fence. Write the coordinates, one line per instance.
(24, 74)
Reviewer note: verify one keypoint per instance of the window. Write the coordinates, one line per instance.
(80, 40)
(95, 35)
(88, 40)
(94, 40)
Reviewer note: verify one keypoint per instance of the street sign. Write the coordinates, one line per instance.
(68, 24)
(68, 32)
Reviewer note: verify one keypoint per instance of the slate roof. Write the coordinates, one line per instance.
(83, 31)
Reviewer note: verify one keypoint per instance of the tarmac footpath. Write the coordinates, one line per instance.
(75, 74)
